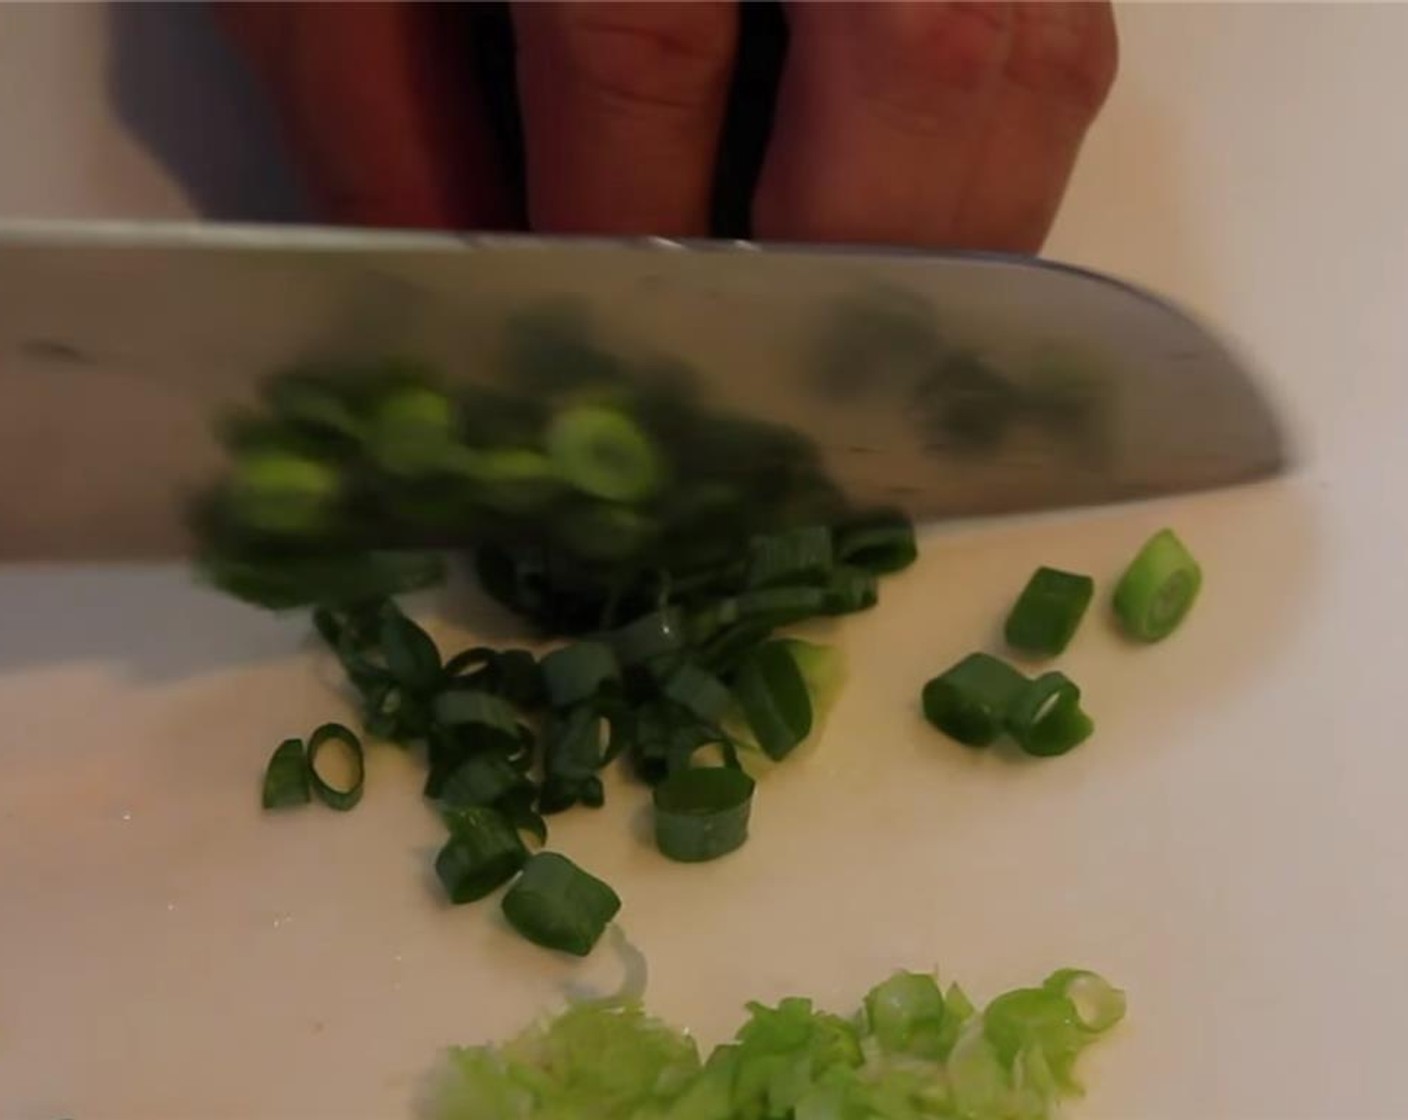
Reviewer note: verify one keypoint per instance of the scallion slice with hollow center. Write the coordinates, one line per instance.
(702, 813)
(1158, 588)
(603, 452)
(334, 797)
(557, 905)
(286, 777)
(969, 702)
(1047, 613)
(1046, 718)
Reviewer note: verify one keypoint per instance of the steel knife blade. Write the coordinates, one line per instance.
(948, 384)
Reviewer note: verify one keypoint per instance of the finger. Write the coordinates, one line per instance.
(1058, 73)
(879, 119)
(622, 105)
(378, 110)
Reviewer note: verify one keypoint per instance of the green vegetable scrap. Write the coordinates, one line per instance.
(669, 544)
(981, 697)
(701, 813)
(1158, 588)
(1050, 608)
(913, 1051)
(557, 905)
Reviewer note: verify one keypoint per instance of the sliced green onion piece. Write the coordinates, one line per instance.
(851, 589)
(881, 543)
(969, 701)
(797, 556)
(603, 452)
(286, 777)
(481, 779)
(411, 655)
(557, 905)
(413, 430)
(699, 692)
(1032, 1018)
(721, 652)
(280, 492)
(483, 853)
(571, 758)
(906, 1014)
(330, 795)
(1098, 1004)
(779, 606)
(650, 636)
(510, 480)
(1045, 716)
(1158, 588)
(465, 706)
(774, 698)
(701, 814)
(1046, 614)
(578, 672)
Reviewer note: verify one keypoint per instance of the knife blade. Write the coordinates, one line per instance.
(948, 384)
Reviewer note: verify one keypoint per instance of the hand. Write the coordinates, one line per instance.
(940, 124)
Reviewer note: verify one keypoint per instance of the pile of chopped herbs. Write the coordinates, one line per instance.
(667, 544)
(914, 1051)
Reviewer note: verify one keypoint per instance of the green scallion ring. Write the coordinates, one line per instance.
(1158, 588)
(603, 452)
(1046, 718)
(702, 814)
(1047, 613)
(330, 795)
(969, 702)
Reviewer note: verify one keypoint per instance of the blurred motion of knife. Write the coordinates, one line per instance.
(947, 384)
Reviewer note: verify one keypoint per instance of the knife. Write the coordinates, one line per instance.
(950, 384)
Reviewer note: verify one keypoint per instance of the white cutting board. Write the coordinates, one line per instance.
(1229, 846)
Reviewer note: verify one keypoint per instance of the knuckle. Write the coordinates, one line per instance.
(647, 55)
(1067, 51)
(941, 45)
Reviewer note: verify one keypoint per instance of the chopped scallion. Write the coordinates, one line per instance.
(1047, 613)
(1158, 588)
(797, 556)
(698, 691)
(411, 655)
(774, 698)
(483, 853)
(459, 707)
(969, 702)
(578, 672)
(334, 797)
(286, 777)
(702, 813)
(603, 452)
(1045, 716)
(557, 905)
(880, 543)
